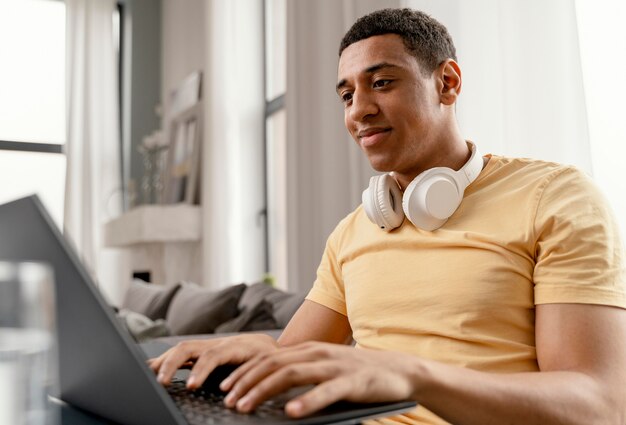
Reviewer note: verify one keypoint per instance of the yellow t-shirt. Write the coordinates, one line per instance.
(527, 232)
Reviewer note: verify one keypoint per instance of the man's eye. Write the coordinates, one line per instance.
(381, 83)
(346, 97)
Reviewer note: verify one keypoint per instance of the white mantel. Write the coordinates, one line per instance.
(164, 240)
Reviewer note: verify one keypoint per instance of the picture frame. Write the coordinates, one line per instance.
(186, 94)
(183, 166)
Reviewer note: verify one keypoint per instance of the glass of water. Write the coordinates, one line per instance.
(28, 359)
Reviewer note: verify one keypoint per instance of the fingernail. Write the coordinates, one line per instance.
(191, 381)
(243, 404)
(161, 377)
(225, 384)
(230, 399)
(294, 407)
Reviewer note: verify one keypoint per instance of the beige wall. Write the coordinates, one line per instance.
(184, 42)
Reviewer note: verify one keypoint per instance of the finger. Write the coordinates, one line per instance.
(205, 364)
(257, 368)
(292, 375)
(232, 379)
(252, 372)
(246, 362)
(174, 359)
(155, 363)
(152, 364)
(323, 395)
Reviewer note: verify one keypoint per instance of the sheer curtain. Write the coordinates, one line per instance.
(326, 172)
(523, 92)
(602, 34)
(232, 182)
(537, 81)
(92, 148)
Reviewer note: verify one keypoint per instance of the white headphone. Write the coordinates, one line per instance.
(428, 201)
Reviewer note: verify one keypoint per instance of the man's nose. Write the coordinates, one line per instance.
(363, 105)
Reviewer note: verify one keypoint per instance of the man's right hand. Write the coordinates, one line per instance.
(206, 355)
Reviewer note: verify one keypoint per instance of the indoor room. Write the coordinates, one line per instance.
(186, 170)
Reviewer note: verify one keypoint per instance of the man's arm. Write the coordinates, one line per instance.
(581, 352)
(315, 322)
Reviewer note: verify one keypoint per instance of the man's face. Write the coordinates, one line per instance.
(392, 111)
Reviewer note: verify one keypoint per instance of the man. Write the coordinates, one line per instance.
(510, 310)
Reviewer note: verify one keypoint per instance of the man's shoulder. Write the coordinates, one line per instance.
(525, 171)
(529, 165)
(352, 219)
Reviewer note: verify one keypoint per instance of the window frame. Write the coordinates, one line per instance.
(272, 106)
(11, 145)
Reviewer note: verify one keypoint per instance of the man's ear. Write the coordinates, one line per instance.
(449, 81)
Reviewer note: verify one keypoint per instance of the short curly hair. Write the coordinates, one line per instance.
(423, 36)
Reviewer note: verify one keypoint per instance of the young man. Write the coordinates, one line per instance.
(505, 308)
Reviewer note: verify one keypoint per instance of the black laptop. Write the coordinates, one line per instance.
(103, 371)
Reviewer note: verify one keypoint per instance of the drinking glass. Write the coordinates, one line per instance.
(28, 355)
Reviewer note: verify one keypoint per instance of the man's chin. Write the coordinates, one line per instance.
(380, 165)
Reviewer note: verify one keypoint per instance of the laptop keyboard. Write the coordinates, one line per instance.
(203, 407)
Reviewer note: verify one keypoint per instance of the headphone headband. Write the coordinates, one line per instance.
(472, 168)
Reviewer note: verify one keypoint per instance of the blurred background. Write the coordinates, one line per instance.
(203, 140)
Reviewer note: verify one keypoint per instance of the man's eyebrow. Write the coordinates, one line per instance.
(379, 66)
(340, 85)
(368, 70)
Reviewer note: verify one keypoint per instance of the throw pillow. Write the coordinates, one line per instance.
(197, 310)
(149, 299)
(285, 306)
(141, 327)
(257, 318)
(256, 293)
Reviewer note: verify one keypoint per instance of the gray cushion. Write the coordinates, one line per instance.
(141, 327)
(149, 299)
(257, 318)
(196, 310)
(256, 293)
(284, 304)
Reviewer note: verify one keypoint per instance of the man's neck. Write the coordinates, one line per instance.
(452, 155)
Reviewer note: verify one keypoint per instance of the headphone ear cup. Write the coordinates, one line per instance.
(431, 198)
(382, 202)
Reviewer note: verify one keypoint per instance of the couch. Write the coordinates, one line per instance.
(184, 310)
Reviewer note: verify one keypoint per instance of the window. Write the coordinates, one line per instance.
(32, 105)
(276, 139)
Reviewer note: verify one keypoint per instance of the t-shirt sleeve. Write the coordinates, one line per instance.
(579, 255)
(328, 289)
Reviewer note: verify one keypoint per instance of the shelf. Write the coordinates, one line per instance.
(154, 224)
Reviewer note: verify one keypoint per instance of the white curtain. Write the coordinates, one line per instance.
(523, 92)
(326, 172)
(522, 96)
(92, 147)
(233, 183)
(602, 34)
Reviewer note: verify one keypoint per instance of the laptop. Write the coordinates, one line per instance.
(102, 370)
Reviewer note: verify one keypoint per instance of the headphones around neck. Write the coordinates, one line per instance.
(428, 201)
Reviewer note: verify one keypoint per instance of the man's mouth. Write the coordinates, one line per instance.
(371, 136)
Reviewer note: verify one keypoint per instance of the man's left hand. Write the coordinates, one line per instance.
(340, 372)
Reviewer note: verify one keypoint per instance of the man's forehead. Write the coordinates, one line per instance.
(365, 55)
